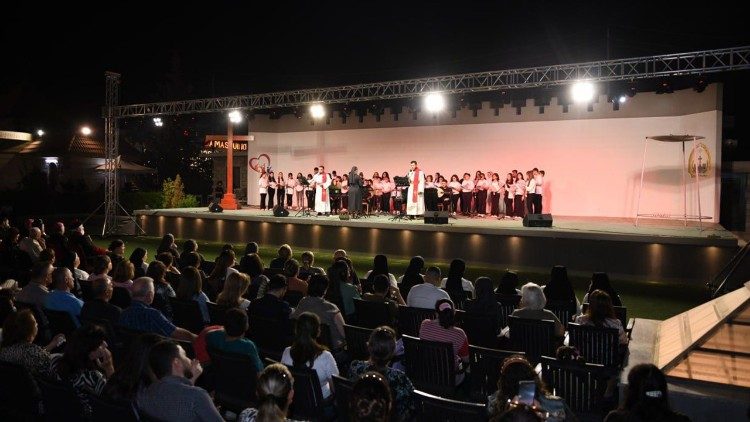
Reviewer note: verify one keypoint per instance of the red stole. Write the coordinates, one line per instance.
(415, 183)
(324, 194)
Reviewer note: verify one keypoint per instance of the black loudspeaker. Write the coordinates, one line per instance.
(436, 217)
(280, 211)
(214, 207)
(344, 216)
(537, 220)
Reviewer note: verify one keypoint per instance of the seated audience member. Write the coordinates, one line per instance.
(60, 298)
(232, 338)
(19, 331)
(456, 285)
(80, 242)
(138, 258)
(425, 295)
(285, 254)
(123, 275)
(271, 305)
(485, 302)
(443, 329)
(86, 363)
(173, 397)
(520, 412)
(99, 308)
(193, 259)
(189, 247)
(600, 281)
(340, 291)
(306, 352)
(380, 266)
(140, 316)
(168, 260)
(532, 307)
(190, 288)
(275, 394)
(371, 399)
(36, 291)
(31, 244)
(47, 255)
(508, 284)
(601, 314)
(234, 289)
(559, 288)
(222, 269)
(102, 267)
(116, 252)
(514, 370)
(291, 271)
(73, 261)
(133, 373)
(167, 245)
(646, 398)
(412, 276)
(162, 289)
(385, 293)
(57, 240)
(250, 249)
(382, 346)
(308, 268)
(327, 312)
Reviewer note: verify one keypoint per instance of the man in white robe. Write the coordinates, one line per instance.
(415, 193)
(322, 182)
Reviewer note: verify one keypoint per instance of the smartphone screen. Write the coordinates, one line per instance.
(526, 392)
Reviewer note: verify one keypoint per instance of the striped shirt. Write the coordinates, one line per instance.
(431, 330)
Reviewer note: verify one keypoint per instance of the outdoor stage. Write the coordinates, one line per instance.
(657, 250)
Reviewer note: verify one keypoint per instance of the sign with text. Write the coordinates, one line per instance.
(218, 142)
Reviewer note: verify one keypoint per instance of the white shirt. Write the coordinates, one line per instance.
(324, 365)
(465, 284)
(539, 182)
(425, 296)
(467, 186)
(391, 278)
(290, 185)
(456, 187)
(531, 186)
(520, 187)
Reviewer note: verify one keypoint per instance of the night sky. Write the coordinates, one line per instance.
(54, 55)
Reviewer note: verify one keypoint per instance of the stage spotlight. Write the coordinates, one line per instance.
(632, 89)
(622, 99)
(40, 133)
(298, 112)
(317, 111)
(235, 116)
(582, 92)
(664, 88)
(700, 84)
(86, 131)
(434, 102)
(158, 122)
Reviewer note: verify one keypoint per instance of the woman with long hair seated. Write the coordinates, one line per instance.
(456, 285)
(275, 388)
(600, 281)
(560, 289)
(600, 313)
(341, 292)
(508, 284)
(485, 302)
(191, 288)
(370, 399)
(379, 266)
(235, 287)
(443, 329)
(306, 352)
(19, 331)
(412, 275)
(646, 398)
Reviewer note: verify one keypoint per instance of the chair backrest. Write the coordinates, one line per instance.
(485, 370)
(235, 379)
(372, 314)
(112, 339)
(535, 337)
(431, 365)
(59, 398)
(342, 388)
(434, 408)
(120, 297)
(356, 342)
(508, 304)
(216, 313)
(270, 335)
(292, 297)
(459, 297)
(410, 319)
(325, 336)
(621, 312)
(112, 410)
(581, 385)
(20, 397)
(596, 344)
(308, 397)
(60, 322)
(187, 314)
(481, 329)
(563, 310)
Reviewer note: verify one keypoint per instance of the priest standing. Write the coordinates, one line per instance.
(322, 182)
(415, 194)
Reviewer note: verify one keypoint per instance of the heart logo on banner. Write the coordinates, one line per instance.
(258, 164)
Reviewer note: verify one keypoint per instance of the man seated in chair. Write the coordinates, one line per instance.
(425, 295)
(60, 299)
(271, 305)
(140, 316)
(99, 307)
(385, 293)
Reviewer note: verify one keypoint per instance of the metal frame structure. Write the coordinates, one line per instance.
(680, 64)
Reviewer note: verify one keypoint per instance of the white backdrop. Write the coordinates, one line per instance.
(593, 166)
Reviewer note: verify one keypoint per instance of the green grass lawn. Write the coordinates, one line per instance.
(643, 299)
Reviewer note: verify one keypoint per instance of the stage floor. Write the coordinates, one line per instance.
(594, 228)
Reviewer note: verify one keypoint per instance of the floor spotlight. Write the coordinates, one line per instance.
(317, 111)
(86, 131)
(582, 92)
(434, 102)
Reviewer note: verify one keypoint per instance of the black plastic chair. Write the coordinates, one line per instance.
(342, 389)
(120, 297)
(308, 400)
(481, 329)
(485, 370)
(187, 314)
(271, 336)
(434, 408)
(410, 319)
(216, 313)
(356, 342)
(596, 344)
(59, 398)
(292, 297)
(325, 337)
(372, 314)
(535, 337)
(235, 378)
(112, 410)
(20, 398)
(581, 385)
(563, 310)
(431, 365)
(60, 322)
(508, 304)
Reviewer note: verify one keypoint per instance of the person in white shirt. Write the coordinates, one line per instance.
(310, 189)
(495, 194)
(481, 201)
(387, 186)
(263, 189)
(299, 192)
(518, 208)
(345, 192)
(31, 244)
(306, 352)
(530, 193)
(377, 194)
(455, 273)
(271, 189)
(467, 189)
(425, 295)
(280, 189)
(455, 186)
(510, 191)
(539, 189)
(415, 193)
(291, 182)
(322, 181)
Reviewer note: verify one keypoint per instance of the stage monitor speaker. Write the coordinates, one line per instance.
(537, 220)
(344, 216)
(436, 217)
(214, 207)
(280, 211)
